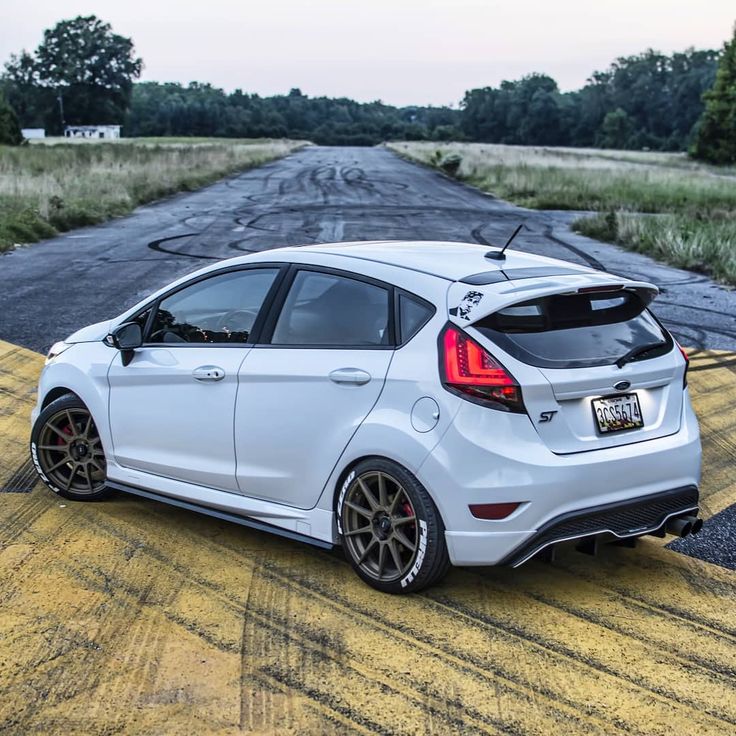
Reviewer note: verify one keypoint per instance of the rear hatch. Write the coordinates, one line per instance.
(564, 340)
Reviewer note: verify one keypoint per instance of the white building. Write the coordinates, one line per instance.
(92, 131)
(31, 134)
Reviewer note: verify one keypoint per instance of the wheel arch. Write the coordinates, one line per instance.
(56, 393)
(343, 474)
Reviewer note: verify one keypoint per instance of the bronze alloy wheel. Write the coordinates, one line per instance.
(380, 526)
(69, 452)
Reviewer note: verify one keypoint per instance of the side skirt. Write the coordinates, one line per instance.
(217, 514)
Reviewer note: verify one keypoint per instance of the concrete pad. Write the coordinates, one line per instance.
(133, 617)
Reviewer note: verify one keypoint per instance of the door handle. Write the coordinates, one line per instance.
(208, 373)
(354, 376)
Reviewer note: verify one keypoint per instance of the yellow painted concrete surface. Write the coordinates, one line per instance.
(132, 617)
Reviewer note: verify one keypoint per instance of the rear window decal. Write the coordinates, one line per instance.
(467, 304)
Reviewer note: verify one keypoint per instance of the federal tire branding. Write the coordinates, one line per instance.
(39, 470)
(341, 500)
(422, 548)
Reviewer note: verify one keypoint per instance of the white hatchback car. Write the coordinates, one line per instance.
(419, 403)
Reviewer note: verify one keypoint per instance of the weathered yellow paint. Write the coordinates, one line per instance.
(130, 616)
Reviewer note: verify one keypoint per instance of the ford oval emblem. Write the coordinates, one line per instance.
(622, 385)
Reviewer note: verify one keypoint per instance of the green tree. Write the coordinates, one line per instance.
(615, 131)
(716, 134)
(81, 73)
(10, 134)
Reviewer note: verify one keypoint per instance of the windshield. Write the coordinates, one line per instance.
(576, 330)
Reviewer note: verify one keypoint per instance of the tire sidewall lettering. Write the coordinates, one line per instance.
(341, 500)
(39, 470)
(421, 551)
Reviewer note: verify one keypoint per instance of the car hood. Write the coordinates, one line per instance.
(91, 333)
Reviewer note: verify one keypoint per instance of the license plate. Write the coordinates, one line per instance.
(614, 413)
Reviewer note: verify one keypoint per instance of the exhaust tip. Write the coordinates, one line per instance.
(680, 527)
(697, 525)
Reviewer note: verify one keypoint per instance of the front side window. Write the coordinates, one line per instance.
(576, 330)
(328, 310)
(220, 309)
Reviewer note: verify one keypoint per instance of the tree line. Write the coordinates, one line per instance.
(203, 110)
(83, 73)
(645, 101)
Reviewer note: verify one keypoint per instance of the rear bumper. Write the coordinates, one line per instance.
(616, 520)
(487, 458)
(621, 520)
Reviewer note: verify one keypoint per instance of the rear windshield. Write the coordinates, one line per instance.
(577, 330)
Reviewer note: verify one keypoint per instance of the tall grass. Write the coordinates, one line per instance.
(695, 204)
(45, 189)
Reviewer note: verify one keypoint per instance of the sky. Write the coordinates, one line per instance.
(400, 51)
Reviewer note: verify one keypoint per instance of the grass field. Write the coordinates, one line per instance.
(661, 204)
(51, 187)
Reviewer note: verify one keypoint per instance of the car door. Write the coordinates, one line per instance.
(303, 395)
(171, 408)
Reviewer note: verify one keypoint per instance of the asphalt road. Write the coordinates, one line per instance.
(133, 617)
(315, 195)
(129, 616)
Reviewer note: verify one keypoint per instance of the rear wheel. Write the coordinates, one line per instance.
(67, 450)
(391, 530)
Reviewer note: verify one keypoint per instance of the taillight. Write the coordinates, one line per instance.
(687, 363)
(470, 370)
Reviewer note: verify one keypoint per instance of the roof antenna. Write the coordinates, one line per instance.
(500, 255)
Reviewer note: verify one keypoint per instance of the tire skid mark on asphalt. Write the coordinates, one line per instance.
(723, 629)
(129, 568)
(608, 662)
(157, 246)
(18, 521)
(370, 684)
(23, 480)
(126, 628)
(276, 626)
(530, 638)
(231, 602)
(582, 599)
(456, 660)
(710, 639)
(234, 562)
(464, 665)
(713, 387)
(69, 675)
(327, 645)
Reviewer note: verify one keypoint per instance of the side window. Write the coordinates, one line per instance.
(324, 309)
(220, 309)
(413, 315)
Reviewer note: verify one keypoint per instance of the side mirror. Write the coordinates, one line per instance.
(126, 338)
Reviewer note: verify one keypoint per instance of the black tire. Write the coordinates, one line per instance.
(67, 451)
(375, 507)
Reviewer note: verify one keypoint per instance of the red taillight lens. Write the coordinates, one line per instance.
(471, 370)
(687, 363)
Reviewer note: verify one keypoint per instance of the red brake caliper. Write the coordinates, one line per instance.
(67, 430)
(408, 510)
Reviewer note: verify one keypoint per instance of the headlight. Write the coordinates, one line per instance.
(57, 349)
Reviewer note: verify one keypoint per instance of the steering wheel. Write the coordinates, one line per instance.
(225, 322)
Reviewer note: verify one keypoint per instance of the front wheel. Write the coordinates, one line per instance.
(67, 450)
(391, 530)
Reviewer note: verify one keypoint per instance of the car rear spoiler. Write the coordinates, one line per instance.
(467, 304)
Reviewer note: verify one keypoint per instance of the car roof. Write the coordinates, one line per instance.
(448, 260)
